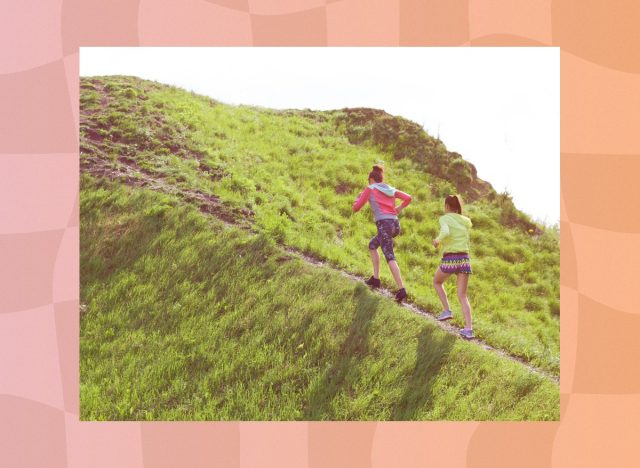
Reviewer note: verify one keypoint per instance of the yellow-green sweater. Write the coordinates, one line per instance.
(454, 233)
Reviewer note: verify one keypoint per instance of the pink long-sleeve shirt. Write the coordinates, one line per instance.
(382, 199)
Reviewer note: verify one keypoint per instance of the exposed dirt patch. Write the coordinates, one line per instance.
(127, 171)
(129, 162)
(214, 173)
(124, 168)
(93, 134)
(344, 187)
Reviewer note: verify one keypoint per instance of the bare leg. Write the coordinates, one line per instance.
(395, 271)
(461, 285)
(375, 260)
(438, 280)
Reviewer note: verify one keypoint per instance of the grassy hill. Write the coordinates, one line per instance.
(189, 318)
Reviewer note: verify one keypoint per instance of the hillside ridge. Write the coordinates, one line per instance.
(222, 270)
(395, 135)
(156, 136)
(232, 217)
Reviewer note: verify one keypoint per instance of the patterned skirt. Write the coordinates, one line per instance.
(455, 263)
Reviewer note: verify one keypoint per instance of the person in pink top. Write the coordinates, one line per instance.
(382, 199)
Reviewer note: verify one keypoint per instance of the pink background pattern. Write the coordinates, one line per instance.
(39, 232)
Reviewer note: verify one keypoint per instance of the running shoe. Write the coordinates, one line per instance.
(445, 315)
(373, 282)
(466, 333)
(401, 294)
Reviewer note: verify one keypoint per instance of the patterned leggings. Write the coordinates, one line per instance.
(387, 230)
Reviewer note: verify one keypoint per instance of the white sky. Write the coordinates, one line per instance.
(499, 107)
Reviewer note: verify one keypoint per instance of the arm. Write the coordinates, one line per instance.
(444, 231)
(406, 199)
(361, 200)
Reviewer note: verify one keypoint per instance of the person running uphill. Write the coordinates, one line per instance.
(454, 237)
(382, 199)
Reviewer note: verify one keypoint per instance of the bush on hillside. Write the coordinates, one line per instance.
(510, 216)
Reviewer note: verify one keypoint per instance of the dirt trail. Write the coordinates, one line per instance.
(209, 204)
(126, 170)
(416, 309)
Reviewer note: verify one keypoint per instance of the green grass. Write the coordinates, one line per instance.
(189, 319)
(298, 173)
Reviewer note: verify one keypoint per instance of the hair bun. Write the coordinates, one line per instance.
(377, 173)
(454, 202)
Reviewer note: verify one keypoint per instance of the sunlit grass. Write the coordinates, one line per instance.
(187, 319)
(147, 280)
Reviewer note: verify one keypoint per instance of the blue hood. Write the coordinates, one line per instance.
(384, 188)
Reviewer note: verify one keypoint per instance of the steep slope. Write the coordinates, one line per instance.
(294, 172)
(292, 175)
(187, 318)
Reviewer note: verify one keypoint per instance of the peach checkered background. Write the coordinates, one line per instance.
(600, 224)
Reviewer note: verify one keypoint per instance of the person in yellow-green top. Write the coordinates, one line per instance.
(454, 239)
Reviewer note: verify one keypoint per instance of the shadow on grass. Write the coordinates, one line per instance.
(431, 354)
(345, 370)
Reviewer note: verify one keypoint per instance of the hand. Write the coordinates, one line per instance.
(435, 243)
(399, 209)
